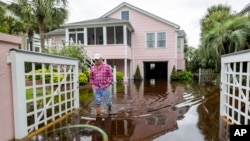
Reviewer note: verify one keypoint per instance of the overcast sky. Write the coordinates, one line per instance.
(185, 13)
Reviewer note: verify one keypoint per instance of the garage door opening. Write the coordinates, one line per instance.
(155, 70)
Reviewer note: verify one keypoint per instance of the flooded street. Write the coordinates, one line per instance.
(152, 110)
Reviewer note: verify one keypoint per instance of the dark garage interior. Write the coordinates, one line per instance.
(155, 70)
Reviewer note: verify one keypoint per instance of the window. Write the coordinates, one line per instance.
(152, 66)
(76, 35)
(161, 39)
(62, 39)
(115, 35)
(119, 34)
(125, 15)
(72, 37)
(178, 45)
(150, 40)
(91, 36)
(95, 36)
(129, 37)
(156, 40)
(99, 36)
(110, 35)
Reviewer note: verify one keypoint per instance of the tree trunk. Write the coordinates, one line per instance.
(41, 32)
(31, 36)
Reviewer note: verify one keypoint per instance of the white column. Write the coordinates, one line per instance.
(114, 81)
(67, 36)
(104, 35)
(125, 77)
(85, 37)
(125, 34)
(114, 74)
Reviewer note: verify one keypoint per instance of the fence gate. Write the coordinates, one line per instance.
(206, 75)
(45, 88)
(235, 88)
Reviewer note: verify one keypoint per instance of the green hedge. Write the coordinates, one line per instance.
(81, 76)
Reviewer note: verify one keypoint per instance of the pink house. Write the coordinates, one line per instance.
(127, 37)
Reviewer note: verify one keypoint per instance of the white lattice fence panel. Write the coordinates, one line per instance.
(235, 88)
(45, 88)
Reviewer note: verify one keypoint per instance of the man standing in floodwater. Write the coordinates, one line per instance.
(101, 77)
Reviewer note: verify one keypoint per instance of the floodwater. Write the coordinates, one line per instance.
(149, 110)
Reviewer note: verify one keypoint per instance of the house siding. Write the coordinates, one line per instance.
(111, 51)
(180, 57)
(142, 25)
(7, 130)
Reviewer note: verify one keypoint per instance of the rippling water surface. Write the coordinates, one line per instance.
(150, 110)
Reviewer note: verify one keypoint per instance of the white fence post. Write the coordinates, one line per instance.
(19, 96)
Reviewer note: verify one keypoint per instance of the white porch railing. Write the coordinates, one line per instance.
(40, 97)
(235, 88)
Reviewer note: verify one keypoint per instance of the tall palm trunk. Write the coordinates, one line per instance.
(41, 32)
(31, 37)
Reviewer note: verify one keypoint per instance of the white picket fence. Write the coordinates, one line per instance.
(50, 94)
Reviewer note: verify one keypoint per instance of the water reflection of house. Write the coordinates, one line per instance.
(141, 128)
(156, 120)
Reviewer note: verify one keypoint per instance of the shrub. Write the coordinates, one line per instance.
(119, 76)
(137, 75)
(173, 74)
(55, 77)
(38, 75)
(87, 74)
(83, 79)
(182, 76)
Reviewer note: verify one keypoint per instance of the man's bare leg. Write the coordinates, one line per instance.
(98, 109)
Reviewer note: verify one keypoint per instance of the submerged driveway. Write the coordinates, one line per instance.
(148, 110)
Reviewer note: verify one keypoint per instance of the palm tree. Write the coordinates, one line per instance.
(22, 10)
(228, 37)
(188, 54)
(49, 11)
(223, 33)
(40, 15)
(215, 14)
(9, 24)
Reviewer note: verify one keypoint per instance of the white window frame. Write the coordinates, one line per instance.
(153, 41)
(122, 15)
(76, 32)
(156, 39)
(161, 40)
(179, 45)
